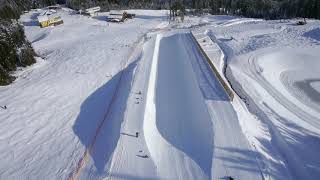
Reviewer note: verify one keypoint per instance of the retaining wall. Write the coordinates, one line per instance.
(214, 56)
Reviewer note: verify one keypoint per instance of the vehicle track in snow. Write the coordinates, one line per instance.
(315, 121)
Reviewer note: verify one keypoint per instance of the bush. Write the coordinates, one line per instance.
(26, 56)
(5, 78)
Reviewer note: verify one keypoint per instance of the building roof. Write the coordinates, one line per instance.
(43, 18)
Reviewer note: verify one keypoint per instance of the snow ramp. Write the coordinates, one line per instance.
(177, 126)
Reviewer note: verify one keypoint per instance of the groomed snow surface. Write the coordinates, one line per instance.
(75, 114)
(274, 67)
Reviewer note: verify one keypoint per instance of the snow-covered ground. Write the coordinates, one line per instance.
(76, 112)
(274, 67)
(56, 106)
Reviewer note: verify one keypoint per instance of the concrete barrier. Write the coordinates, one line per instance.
(223, 83)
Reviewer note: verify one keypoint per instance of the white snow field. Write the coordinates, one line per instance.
(138, 100)
(56, 106)
(274, 68)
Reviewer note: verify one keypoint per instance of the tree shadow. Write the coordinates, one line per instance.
(30, 23)
(304, 144)
(40, 37)
(239, 159)
(34, 16)
(149, 17)
(99, 121)
(131, 177)
(313, 34)
(101, 18)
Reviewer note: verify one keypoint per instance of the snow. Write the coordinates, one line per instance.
(272, 66)
(180, 132)
(76, 112)
(43, 18)
(54, 109)
(292, 107)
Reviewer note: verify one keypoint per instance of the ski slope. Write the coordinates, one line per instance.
(76, 112)
(175, 127)
(56, 105)
(185, 107)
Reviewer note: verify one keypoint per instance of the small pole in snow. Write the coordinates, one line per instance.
(137, 134)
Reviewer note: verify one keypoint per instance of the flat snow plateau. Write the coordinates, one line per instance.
(76, 112)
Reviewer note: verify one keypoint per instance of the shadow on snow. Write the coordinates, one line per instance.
(104, 108)
(314, 34)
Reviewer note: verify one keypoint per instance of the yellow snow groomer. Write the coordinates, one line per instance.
(46, 21)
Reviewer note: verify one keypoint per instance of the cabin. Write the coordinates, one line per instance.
(92, 11)
(48, 12)
(54, 7)
(46, 21)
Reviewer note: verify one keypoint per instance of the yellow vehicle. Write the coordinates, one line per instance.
(46, 21)
(55, 21)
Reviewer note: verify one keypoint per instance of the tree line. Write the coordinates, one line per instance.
(268, 9)
(16, 51)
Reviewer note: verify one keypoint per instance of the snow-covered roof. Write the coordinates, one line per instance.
(43, 18)
(93, 10)
(48, 12)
